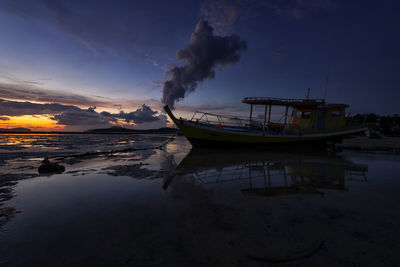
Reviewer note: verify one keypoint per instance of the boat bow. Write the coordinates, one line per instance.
(172, 116)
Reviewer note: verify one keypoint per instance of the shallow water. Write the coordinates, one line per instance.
(178, 206)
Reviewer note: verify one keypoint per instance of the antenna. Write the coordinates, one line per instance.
(327, 79)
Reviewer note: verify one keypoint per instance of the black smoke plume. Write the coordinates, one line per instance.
(203, 54)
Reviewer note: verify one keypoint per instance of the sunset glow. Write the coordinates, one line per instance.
(33, 122)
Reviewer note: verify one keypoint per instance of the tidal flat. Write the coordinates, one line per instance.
(153, 200)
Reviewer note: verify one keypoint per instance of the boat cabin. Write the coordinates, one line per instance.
(318, 119)
(307, 116)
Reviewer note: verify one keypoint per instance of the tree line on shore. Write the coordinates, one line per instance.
(387, 124)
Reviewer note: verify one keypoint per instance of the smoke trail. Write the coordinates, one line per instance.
(203, 54)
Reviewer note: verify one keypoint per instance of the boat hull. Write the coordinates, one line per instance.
(196, 142)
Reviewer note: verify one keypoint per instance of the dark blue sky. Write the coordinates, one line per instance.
(116, 52)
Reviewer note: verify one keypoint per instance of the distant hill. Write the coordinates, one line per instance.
(16, 130)
(118, 129)
(111, 130)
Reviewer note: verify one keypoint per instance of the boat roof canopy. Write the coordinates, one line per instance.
(322, 107)
(283, 101)
(299, 103)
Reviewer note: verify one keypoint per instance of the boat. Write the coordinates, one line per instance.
(311, 122)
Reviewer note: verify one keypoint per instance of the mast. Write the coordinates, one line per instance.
(251, 112)
(269, 114)
(265, 118)
(284, 124)
(327, 79)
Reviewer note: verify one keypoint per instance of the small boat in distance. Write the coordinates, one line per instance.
(312, 122)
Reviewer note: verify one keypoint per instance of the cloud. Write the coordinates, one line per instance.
(156, 83)
(14, 108)
(37, 94)
(221, 14)
(89, 118)
(141, 115)
(70, 115)
(12, 79)
(33, 93)
(299, 9)
(204, 52)
(93, 30)
(4, 118)
(80, 117)
(12, 88)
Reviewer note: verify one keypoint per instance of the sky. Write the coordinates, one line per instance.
(75, 65)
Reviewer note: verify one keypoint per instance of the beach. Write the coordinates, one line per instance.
(152, 200)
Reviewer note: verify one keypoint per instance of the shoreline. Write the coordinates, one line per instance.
(363, 143)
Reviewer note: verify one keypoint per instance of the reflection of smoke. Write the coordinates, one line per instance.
(203, 54)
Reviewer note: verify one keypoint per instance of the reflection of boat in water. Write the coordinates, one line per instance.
(270, 174)
(312, 121)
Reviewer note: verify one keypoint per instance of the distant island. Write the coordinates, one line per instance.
(118, 129)
(111, 130)
(16, 130)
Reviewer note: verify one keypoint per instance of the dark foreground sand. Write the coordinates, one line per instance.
(113, 211)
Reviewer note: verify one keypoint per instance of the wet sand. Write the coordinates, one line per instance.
(216, 210)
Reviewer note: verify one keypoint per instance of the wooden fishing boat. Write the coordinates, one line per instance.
(312, 121)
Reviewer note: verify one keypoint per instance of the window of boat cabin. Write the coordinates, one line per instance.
(306, 114)
(335, 113)
(296, 114)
